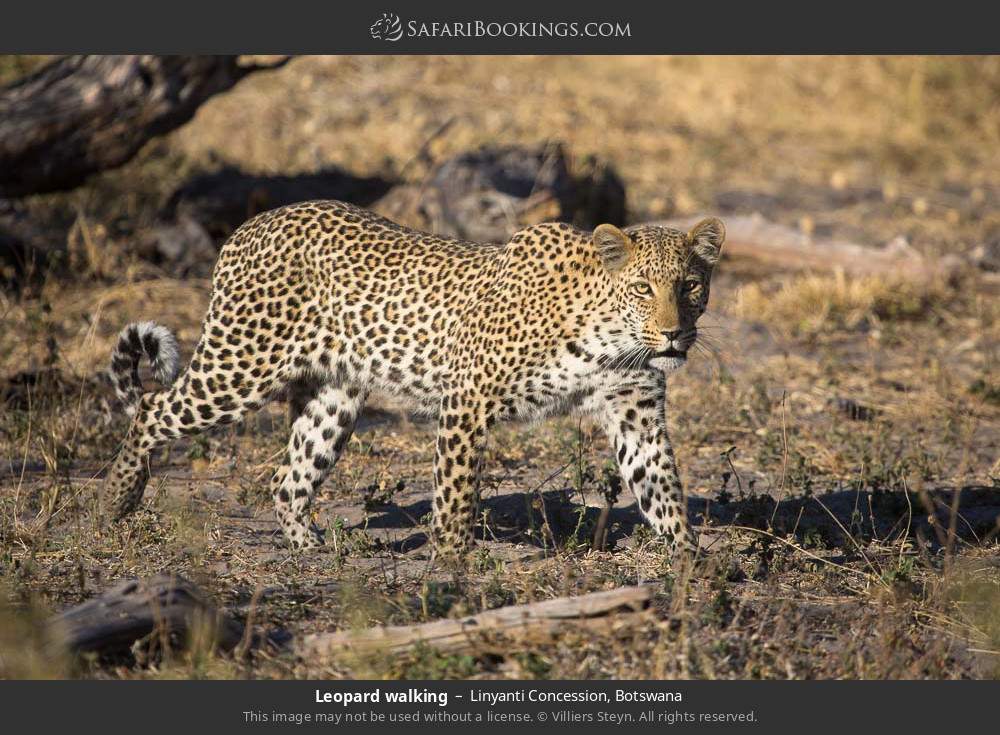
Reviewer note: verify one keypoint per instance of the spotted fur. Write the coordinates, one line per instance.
(138, 340)
(328, 295)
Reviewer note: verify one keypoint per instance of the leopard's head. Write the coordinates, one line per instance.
(660, 278)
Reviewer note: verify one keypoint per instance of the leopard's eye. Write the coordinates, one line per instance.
(691, 286)
(642, 289)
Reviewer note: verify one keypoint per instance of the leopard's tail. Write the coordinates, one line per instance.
(134, 341)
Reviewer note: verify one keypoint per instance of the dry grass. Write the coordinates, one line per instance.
(826, 422)
(815, 304)
(83, 323)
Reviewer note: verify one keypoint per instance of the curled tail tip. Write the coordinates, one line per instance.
(136, 340)
(161, 348)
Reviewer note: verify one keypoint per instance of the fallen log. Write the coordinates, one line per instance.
(538, 618)
(82, 114)
(168, 609)
(755, 237)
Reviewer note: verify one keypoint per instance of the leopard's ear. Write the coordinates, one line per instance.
(706, 239)
(614, 247)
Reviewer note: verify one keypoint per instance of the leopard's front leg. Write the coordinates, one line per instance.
(635, 421)
(461, 438)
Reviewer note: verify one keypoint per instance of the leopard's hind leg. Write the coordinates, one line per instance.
(222, 382)
(319, 435)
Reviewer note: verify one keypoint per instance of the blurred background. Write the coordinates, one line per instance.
(850, 350)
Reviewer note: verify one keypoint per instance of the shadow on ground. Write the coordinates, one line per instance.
(842, 518)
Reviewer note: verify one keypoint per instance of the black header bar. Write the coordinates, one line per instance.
(501, 27)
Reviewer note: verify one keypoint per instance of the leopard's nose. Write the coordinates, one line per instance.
(671, 334)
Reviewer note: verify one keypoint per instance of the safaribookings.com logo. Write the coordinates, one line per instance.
(387, 28)
(390, 28)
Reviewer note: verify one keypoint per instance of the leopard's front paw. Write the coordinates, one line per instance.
(452, 546)
(687, 544)
(681, 547)
(310, 538)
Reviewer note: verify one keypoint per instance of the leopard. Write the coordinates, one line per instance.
(337, 304)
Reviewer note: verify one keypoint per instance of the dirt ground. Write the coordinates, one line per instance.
(838, 436)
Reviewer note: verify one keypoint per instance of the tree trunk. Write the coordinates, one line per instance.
(84, 114)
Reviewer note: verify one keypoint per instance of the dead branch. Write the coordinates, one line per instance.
(538, 618)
